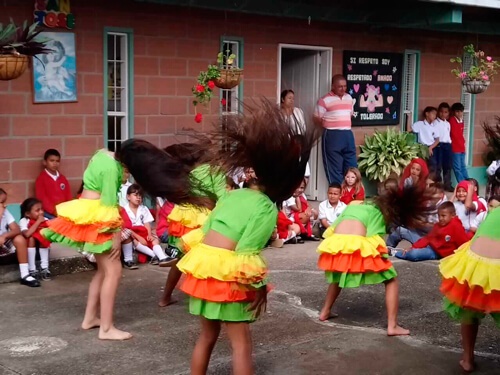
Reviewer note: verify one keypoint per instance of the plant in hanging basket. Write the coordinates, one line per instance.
(230, 75)
(16, 44)
(481, 71)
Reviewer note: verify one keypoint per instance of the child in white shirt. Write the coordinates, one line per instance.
(122, 194)
(330, 209)
(493, 203)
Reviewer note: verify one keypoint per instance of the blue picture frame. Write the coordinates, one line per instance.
(54, 74)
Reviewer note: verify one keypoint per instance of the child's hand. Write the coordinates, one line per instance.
(149, 237)
(260, 302)
(141, 240)
(40, 219)
(430, 151)
(2, 240)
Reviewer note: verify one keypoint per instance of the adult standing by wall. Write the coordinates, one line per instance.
(333, 112)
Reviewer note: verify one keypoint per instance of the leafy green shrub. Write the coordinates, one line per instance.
(388, 152)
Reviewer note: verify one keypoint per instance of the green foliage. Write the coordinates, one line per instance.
(483, 67)
(388, 152)
(21, 40)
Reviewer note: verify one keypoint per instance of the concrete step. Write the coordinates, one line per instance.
(63, 260)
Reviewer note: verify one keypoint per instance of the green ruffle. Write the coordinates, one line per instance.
(226, 312)
(466, 315)
(87, 247)
(355, 280)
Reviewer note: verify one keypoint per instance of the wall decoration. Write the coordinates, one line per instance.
(54, 74)
(54, 14)
(374, 82)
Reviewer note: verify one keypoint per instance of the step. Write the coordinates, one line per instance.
(63, 260)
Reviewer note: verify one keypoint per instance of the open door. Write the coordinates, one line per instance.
(307, 71)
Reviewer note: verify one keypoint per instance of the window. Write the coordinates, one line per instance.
(118, 88)
(230, 99)
(467, 100)
(409, 100)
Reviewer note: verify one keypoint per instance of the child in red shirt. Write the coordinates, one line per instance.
(458, 141)
(352, 187)
(51, 187)
(447, 235)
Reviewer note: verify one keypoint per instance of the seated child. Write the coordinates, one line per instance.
(11, 241)
(287, 230)
(493, 203)
(163, 209)
(476, 191)
(467, 203)
(137, 230)
(415, 173)
(352, 187)
(51, 187)
(31, 224)
(122, 193)
(447, 235)
(330, 209)
(296, 207)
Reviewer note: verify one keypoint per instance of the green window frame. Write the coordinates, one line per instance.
(410, 89)
(232, 97)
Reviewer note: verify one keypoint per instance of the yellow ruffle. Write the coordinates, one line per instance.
(204, 261)
(191, 239)
(467, 266)
(88, 211)
(188, 215)
(348, 244)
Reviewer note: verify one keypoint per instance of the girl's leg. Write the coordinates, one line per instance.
(241, 345)
(210, 330)
(331, 296)
(469, 335)
(173, 278)
(112, 270)
(91, 318)
(32, 255)
(392, 305)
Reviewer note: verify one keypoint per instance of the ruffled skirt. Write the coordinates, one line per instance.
(471, 285)
(352, 261)
(221, 282)
(181, 222)
(84, 224)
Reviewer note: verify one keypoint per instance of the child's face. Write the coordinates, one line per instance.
(415, 170)
(35, 212)
(444, 113)
(250, 173)
(444, 217)
(3, 198)
(300, 190)
(459, 114)
(52, 163)
(493, 204)
(333, 196)
(126, 175)
(430, 116)
(135, 199)
(461, 194)
(350, 179)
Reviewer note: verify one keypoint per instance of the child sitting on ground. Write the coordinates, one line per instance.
(352, 187)
(286, 230)
(415, 174)
(137, 230)
(296, 207)
(467, 203)
(446, 236)
(493, 203)
(32, 222)
(476, 191)
(330, 209)
(51, 187)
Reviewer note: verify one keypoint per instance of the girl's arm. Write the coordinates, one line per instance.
(454, 196)
(360, 196)
(469, 204)
(31, 230)
(298, 203)
(148, 228)
(324, 223)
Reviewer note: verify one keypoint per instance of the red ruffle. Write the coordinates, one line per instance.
(352, 263)
(214, 290)
(464, 296)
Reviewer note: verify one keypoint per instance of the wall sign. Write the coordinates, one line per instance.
(54, 14)
(374, 82)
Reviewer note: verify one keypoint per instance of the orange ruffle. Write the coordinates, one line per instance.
(177, 229)
(214, 290)
(97, 233)
(352, 263)
(474, 298)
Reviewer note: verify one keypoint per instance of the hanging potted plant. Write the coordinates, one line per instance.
(230, 75)
(480, 73)
(16, 45)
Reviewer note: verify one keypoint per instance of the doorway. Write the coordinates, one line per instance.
(307, 70)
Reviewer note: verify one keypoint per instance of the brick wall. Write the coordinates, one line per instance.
(171, 46)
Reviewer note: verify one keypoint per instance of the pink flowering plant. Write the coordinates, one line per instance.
(482, 68)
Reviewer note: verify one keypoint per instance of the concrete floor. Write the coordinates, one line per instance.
(40, 332)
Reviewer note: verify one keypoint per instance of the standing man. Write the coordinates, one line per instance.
(333, 112)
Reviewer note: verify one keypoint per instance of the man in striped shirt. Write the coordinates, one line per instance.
(333, 112)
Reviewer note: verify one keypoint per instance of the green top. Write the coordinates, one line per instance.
(246, 216)
(368, 214)
(104, 175)
(489, 227)
(204, 178)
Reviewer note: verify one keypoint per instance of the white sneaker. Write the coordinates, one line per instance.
(393, 250)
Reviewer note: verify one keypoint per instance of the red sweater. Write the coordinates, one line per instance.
(444, 240)
(349, 196)
(52, 192)
(457, 135)
(282, 224)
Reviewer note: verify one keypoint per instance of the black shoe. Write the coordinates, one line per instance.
(36, 275)
(168, 262)
(299, 239)
(130, 265)
(313, 238)
(31, 283)
(45, 274)
(292, 241)
(171, 252)
(154, 261)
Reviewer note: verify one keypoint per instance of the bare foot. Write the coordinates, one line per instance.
(93, 323)
(114, 334)
(327, 315)
(466, 366)
(166, 302)
(397, 331)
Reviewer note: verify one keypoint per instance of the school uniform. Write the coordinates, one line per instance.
(458, 148)
(426, 135)
(444, 155)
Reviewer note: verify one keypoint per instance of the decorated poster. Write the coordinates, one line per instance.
(374, 82)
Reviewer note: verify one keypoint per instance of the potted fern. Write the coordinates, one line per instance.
(387, 153)
(16, 45)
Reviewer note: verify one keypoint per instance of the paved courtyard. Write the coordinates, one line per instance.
(40, 327)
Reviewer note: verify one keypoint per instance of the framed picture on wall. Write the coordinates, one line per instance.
(54, 74)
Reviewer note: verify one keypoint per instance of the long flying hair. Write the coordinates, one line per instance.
(189, 154)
